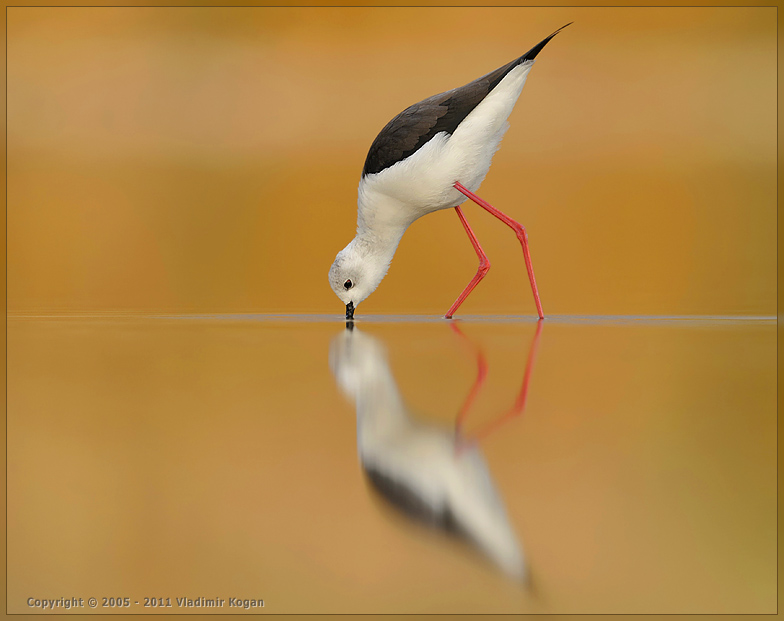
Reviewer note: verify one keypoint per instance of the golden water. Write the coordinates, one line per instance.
(215, 456)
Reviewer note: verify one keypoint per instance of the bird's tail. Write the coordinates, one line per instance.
(531, 54)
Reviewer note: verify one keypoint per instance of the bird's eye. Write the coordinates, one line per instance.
(348, 284)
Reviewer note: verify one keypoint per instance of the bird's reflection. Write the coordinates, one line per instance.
(432, 473)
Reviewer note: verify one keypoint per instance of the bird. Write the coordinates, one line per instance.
(418, 465)
(432, 156)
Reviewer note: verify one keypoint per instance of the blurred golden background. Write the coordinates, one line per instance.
(206, 159)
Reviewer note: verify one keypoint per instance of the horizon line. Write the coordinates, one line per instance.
(397, 317)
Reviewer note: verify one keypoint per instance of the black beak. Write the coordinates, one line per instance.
(350, 310)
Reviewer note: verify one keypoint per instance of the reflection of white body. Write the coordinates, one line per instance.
(419, 462)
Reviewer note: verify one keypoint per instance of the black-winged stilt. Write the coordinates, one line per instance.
(431, 156)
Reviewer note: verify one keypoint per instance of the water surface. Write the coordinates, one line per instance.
(220, 456)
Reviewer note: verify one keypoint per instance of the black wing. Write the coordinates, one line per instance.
(417, 124)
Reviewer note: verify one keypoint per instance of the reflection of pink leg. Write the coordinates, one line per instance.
(481, 374)
(484, 265)
(519, 406)
(521, 235)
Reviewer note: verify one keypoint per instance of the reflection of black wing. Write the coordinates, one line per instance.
(417, 124)
(407, 500)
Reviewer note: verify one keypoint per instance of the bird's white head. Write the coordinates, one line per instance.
(356, 272)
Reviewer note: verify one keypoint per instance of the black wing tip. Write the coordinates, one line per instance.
(531, 54)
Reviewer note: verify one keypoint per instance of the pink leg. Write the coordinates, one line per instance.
(521, 235)
(484, 265)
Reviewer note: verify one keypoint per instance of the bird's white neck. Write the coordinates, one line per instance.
(381, 218)
(381, 223)
(378, 248)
